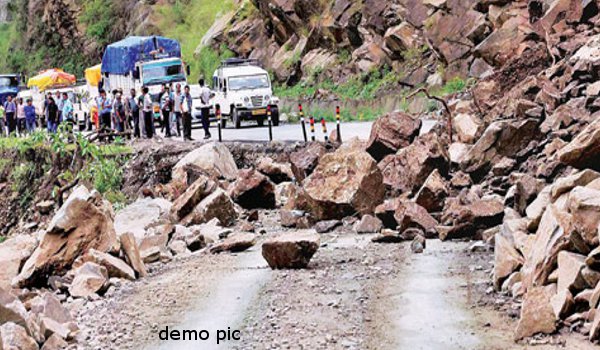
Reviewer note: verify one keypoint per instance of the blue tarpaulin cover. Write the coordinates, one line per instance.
(120, 57)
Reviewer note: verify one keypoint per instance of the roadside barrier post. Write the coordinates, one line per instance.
(302, 122)
(312, 128)
(338, 121)
(270, 123)
(324, 125)
(218, 111)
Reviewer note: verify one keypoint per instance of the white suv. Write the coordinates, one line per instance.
(243, 91)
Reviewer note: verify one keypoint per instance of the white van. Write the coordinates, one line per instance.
(243, 90)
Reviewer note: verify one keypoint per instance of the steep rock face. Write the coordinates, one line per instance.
(341, 38)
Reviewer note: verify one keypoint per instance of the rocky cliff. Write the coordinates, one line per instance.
(422, 41)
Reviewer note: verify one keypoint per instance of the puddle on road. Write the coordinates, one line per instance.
(431, 309)
(226, 304)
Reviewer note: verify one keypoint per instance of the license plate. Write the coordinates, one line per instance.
(259, 111)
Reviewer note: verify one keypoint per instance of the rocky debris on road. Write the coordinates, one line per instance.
(140, 215)
(13, 254)
(368, 224)
(275, 171)
(291, 251)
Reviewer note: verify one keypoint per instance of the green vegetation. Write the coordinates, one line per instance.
(98, 165)
(188, 21)
(362, 87)
(208, 61)
(98, 16)
(2, 239)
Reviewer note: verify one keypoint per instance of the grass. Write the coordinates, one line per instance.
(2, 239)
(188, 21)
(361, 87)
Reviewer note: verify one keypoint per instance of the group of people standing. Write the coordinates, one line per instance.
(57, 111)
(16, 117)
(136, 113)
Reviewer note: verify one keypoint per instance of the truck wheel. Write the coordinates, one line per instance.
(260, 121)
(275, 115)
(235, 117)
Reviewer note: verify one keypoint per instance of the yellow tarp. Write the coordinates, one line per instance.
(51, 78)
(93, 75)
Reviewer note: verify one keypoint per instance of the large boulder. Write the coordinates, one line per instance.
(345, 182)
(84, 222)
(214, 158)
(537, 314)
(13, 253)
(391, 132)
(468, 127)
(253, 190)
(570, 266)
(503, 138)
(290, 251)
(140, 215)
(584, 149)
(305, 160)
(407, 170)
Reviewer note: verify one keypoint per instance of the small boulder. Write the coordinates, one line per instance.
(432, 194)
(253, 190)
(409, 214)
(326, 226)
(186, 203)
(391, 132)
(218, 205)
(237, 242)
(305, 160)
(291, 251)
(131, 251)
(368, 224)
(90, 278)
(114, 266)
(276, 172)
(13, 254)
(14, 336)
(11, 309)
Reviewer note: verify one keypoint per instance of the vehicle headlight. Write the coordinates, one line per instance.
(246, 99)
(267, 98)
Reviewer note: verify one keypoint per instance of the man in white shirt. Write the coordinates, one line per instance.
(147, 110)
(205, 108)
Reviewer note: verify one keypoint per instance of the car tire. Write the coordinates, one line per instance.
(235, 117)
(275, 115)
(260, 121)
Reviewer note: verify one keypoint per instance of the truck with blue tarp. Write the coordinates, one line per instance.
(138, 61)
(9, 85)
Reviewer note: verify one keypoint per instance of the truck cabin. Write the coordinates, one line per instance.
(165, 71)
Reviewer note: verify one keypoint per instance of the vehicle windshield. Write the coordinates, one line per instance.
(8, 82)
(260, 81)
(155, 74)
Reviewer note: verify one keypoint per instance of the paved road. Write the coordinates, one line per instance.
(293, 132)
(285, 132)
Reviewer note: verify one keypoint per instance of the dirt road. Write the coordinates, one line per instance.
(356, 295)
